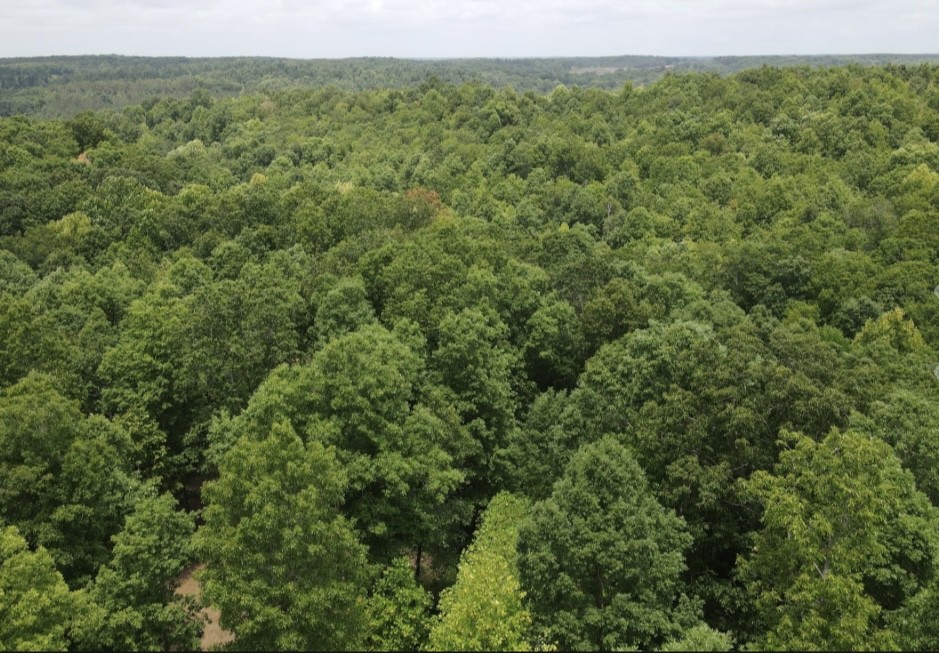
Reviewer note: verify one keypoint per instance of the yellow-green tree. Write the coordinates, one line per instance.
(485, 610)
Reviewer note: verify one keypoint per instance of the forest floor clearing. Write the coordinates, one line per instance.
(213, 635)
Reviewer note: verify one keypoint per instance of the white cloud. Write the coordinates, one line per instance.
(324, 28)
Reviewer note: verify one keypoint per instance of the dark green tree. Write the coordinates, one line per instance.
(601, 560)
(398, 610)
(135, 591)
(284, 567)
(400, 443)
(64, 478)
(846, 539)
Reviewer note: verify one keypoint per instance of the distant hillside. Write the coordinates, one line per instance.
(64, 86)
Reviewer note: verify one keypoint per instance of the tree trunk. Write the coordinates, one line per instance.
(417, 563)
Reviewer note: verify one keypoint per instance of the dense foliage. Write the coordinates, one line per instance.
(464, 367)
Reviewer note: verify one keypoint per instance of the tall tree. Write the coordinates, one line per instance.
(601, 559)
(485, 610)
(285, 569)
(64, 478)
(36, 607)
(136, 589)
(400, 444)
(846, 538)
(398, 610)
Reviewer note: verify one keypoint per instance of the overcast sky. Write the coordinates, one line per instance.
(466, 28)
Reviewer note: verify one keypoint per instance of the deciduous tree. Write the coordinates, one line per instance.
(600, 560)
(284, 567)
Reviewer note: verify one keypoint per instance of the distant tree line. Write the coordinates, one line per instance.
(63, 86)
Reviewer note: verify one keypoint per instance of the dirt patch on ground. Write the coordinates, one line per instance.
(213, 635)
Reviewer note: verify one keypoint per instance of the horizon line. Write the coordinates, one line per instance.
(472, 58)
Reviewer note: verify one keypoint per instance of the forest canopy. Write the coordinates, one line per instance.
(442, 364)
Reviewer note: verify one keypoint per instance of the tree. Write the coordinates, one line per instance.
(145, 367)
(915, 623)
(553, 351)
(136, 589)
(74, 318)
(846, 538)
(700, 638)
(88, 129)
(23, 342)
(600, 560)
(344, 308)
(909, 422)
(398, 610)
(485, 610)
(36, 607)
(537, 452)
(192, 344)
(64, 477)
(284, 567)
(15, 276)
(700, 401)
(399, 442)
(474, 362)
(575, 262)
(230, 341)
(892, 328)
